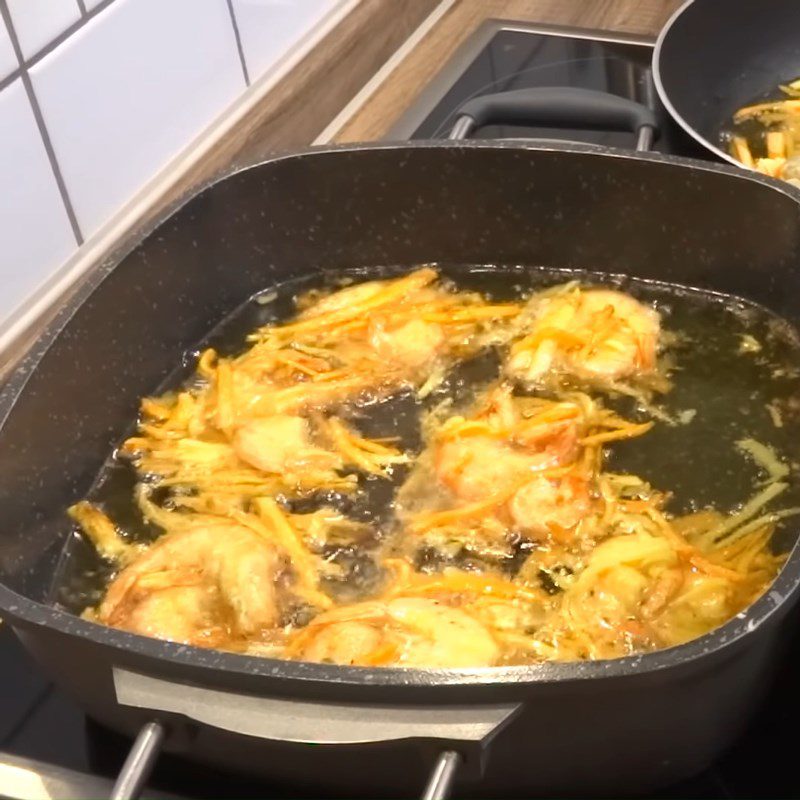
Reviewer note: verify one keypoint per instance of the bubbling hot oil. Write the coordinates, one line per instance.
(736, 376)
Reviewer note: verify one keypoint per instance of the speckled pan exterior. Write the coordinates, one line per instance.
(623, 725)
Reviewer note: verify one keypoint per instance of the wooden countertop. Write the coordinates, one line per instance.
(381, 107)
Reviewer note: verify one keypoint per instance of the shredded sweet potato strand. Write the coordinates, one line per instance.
(629, 432)
(527, 536)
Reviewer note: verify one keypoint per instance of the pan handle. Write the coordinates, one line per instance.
(467, 727)
(139, 763)
(440, 783)
(557, 106)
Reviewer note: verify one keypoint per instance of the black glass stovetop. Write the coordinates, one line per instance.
(39, 721)
(503, 57)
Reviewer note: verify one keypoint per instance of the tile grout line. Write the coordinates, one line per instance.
(10, 78)
(238, 38)
(40, 123)
(26, 64)
(82, 7)
(64, 35)
(15, 73)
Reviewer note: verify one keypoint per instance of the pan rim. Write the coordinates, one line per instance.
(27, 614)
(667, 101)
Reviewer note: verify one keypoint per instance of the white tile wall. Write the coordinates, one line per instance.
(268, 28)
(38, 22)
(130, 90)
(8, 60)
(35, 234)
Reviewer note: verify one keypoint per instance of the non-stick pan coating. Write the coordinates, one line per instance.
(648, 216)
(584, 729)
(716, 56)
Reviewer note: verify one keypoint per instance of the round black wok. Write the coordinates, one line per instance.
(599, 728)
(715, 56)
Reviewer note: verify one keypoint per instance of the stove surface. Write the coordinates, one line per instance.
(504, 56)
(38, 721)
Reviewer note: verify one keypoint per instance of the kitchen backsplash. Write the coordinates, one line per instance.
(97, 95)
